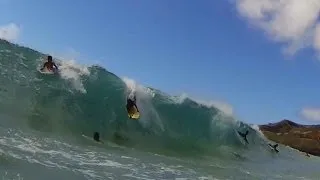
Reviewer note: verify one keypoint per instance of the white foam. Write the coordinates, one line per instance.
(257, 129)
(207, 178)
(42, 153)
(226, 108)
(70, 70)
(179, 99)
(134, 87)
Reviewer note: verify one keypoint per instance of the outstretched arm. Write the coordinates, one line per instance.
(55, 65)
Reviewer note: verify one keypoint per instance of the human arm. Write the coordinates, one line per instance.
(135, 102)
(136, 107)
(55, 66)
(44, 65)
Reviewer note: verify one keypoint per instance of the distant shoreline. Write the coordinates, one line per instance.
(305, 138)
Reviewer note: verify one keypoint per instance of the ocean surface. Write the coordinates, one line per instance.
(47, 121)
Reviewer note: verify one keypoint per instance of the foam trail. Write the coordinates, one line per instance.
(144, 98)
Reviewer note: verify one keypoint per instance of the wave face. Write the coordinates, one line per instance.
(81, 100)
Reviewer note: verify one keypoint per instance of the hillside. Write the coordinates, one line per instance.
(305, 138)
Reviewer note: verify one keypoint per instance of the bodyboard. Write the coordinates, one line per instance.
(46, 71)
(134, 114)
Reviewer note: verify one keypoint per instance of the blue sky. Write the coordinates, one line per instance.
(209, 49)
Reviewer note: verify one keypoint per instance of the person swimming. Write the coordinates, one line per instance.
(244, 135)
(274, 147)
(96, 137)
(131, 102)
(49, 65)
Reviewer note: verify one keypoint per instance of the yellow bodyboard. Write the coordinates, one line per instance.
(134, 114)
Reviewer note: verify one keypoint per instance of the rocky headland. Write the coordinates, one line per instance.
(305, 138)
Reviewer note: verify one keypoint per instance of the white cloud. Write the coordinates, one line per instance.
(312, 114)
(9, 32)
(317, 37)
(293, 22)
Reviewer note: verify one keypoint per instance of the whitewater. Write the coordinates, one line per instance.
(45, 118)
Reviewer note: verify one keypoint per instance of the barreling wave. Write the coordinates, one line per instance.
(81, 100)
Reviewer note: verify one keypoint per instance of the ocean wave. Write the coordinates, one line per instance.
(84, 99)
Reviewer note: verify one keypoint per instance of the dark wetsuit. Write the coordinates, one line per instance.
(274, 147)
(130, 104)
(244, 135)
(96, 136)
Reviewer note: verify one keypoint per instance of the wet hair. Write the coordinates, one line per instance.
(49, 58)
(96, 136)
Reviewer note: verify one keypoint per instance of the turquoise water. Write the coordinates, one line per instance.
(44, 118)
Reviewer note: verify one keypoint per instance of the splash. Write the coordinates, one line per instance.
(72, 71)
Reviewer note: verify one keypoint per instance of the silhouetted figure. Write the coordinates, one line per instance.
(244, 135)
(274, 147)
(96, 136)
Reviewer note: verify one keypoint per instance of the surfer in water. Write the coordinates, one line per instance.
(49, 65)
(244, 135)
(274, 147)
(96, 137)
(131, 102)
